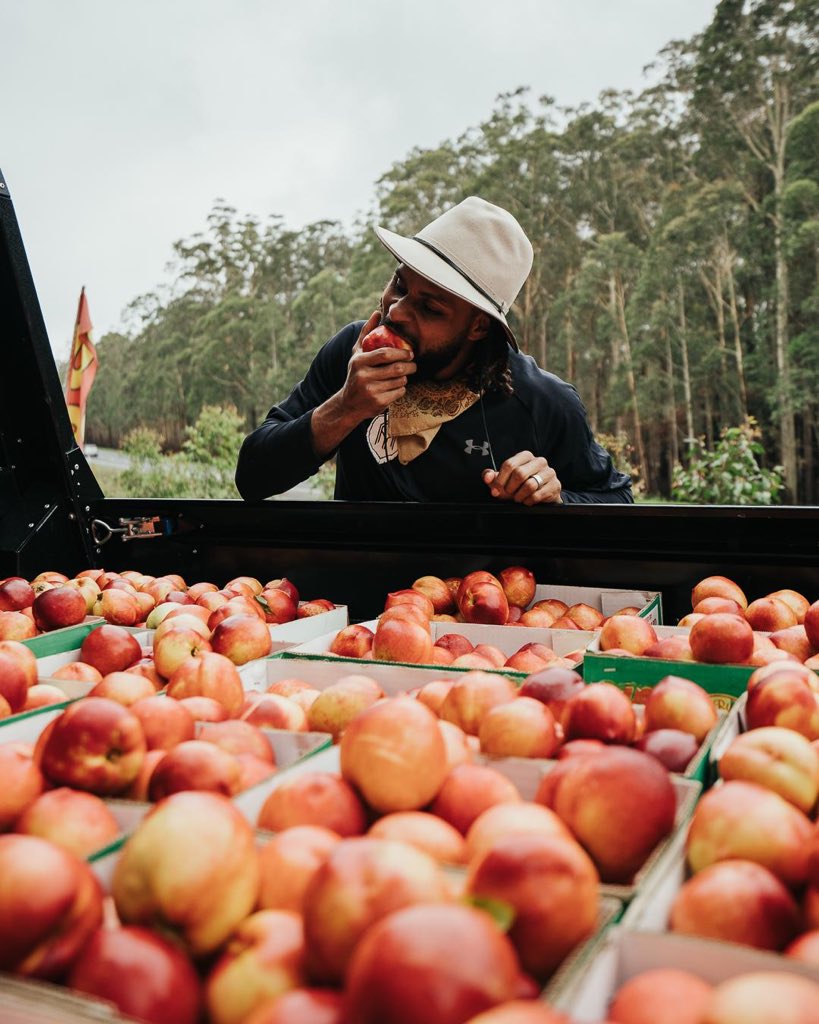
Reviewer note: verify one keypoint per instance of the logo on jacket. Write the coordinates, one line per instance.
(471, 447)
(382, 447)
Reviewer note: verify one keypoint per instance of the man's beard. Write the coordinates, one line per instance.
(430, 364)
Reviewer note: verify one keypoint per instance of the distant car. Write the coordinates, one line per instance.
(91, 451)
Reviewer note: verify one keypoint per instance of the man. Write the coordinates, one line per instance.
(464, 415)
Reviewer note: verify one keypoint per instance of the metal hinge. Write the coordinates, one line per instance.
(138, 528)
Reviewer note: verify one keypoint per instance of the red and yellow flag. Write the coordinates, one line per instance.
(82, 369)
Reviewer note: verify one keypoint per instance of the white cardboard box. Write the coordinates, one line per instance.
(587, 992)
(507, 639)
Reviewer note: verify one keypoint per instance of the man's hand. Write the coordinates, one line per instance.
(526, 479)
(374, 380)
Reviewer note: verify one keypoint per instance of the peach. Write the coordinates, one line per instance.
(521, 728)
(552, 886)
(394, 753)
(314, 798)
(721, 638)
(663, 995)
(289, 861)
(471, 697)
(718, 586)
(742, 820)
(778, 759)
(424, 831)
(470, 789)
(360, 882)
(677, 703)
(627, 632)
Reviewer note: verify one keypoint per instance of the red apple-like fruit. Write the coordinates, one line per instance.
(191, 863)
(50, 904)
(22, 779)
(403, 640)
(736, 901)
(209, 675)
(404, 970)
(721, 639)
(425, 831)
(784, 699)
(384, 337)
(289, 861)
(238, 737)
(16, 626)
(16, 594)
(59, 607)
(469, 790)
(360, 882)
(672, 747)
(125, 688)
(619, 804)
(242, 638)
(146, 977)
(627, 632)
(718, 586)
(437, 591)
(552, 886)
(394, 754)
(272, 711)
(523, 727)
(501, 820)
(264, 959)
(77, 821)
(195, 764)
(483, 601)
(95, 745)
(518, 584)
(553, 687)
(314, 798)
(165, 722)
(758, 997)
(779, 759)
(302, 1006)
(665, 994)
(600, 711)
(677, 703)
(742, 820)
(769, 614)
(110, 648)
(353, 641)
(338, 704)
(472, 695)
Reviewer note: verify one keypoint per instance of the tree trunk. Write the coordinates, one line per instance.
(632, 383)
(673, 445)
(689, 408)
(787, 420)
(615, 346)
(738, 353)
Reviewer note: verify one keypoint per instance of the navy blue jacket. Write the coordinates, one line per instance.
(544, 415)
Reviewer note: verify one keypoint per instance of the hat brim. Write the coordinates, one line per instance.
(428, 264)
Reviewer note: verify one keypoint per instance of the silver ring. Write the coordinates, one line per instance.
(538, 479)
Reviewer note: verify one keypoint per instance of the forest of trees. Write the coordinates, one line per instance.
(676, 272)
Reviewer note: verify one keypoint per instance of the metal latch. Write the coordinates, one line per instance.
(138, 528)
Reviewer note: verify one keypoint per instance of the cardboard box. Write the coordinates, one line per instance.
(586, 993)
(725, 683)
(68, 639)
(508, 639)
(607, 600)
(39, 1002)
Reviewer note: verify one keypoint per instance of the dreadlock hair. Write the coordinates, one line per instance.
(489, 371)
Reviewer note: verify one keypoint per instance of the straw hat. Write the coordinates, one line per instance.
(475, 250)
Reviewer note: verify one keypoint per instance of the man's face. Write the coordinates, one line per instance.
(440, 327)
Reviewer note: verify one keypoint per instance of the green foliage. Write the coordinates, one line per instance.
(204, 468)
(622, 454)
(730, 473)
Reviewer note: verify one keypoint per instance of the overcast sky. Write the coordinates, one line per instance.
(121, 123)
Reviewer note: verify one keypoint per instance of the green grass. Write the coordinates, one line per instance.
(108, 479)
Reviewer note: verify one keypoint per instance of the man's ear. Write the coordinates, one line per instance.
(479, 327)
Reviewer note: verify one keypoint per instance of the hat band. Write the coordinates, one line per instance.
(467, 278)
